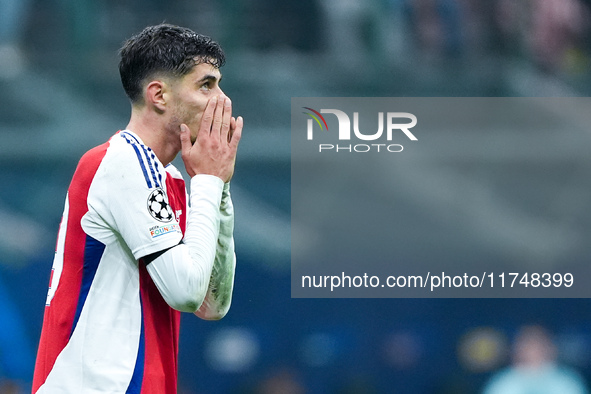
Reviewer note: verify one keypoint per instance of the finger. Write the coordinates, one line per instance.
(232, 127)
(185, 136)
(207, 118)
(217, 118)
(226, 120)
(237, 134)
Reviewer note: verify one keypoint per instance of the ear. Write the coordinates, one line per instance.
(156, 95)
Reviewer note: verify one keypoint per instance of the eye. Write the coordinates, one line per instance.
(206, 85)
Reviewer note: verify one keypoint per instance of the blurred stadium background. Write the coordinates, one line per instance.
(61, 95)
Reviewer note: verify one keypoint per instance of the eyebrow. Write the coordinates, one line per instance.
(210, 77)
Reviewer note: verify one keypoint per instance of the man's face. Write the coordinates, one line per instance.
(190, 95)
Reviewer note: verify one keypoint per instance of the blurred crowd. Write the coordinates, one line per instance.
(553, 35)
(535, 368)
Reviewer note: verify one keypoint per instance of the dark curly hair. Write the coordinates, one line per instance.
(164, 48)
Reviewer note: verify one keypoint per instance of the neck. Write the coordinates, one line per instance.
(154, 133)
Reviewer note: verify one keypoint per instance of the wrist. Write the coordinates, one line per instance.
(207, 180)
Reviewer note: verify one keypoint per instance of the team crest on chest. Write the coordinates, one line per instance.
(159, 207)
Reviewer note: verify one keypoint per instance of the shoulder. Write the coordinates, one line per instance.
(87, 168)
(501, 382)
(173, 172)
(114, 150)
(129, 159)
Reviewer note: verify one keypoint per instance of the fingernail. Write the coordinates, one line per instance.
(228, 102)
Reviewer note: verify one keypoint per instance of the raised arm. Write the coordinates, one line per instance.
(198, 274)
(219, 293)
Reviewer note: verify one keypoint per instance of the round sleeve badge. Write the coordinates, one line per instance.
(158, 206)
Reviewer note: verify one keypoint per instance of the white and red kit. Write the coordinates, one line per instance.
(129, 256)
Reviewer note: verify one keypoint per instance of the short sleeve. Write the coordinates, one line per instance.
(128, 197)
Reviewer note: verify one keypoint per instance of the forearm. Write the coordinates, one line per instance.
(181, 281)
(219, 293)
(182, 274)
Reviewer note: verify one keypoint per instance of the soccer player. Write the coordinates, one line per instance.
(130, 252)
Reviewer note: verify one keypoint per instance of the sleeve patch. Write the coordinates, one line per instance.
(159, 207)
(158, 231)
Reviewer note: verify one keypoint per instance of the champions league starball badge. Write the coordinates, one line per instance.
(158, 206)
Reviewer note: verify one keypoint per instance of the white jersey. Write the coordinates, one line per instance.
(107, 327)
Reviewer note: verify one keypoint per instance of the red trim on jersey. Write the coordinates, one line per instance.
(59, 315)
(161, 322)
(161, 328)
(177, 198)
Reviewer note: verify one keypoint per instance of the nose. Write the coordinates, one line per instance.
(221, 93)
